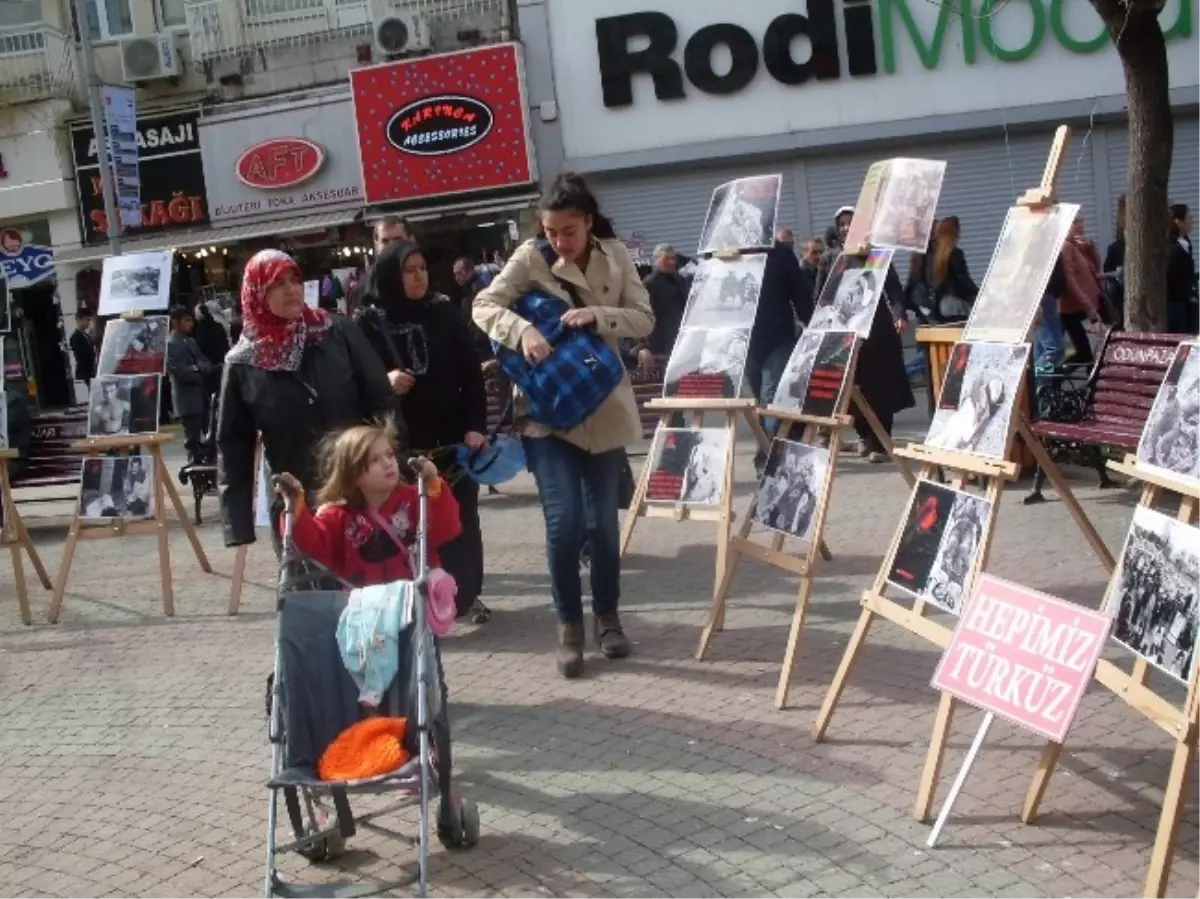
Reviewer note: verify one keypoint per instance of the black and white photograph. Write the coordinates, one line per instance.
(741, 215)
(725, 293)
(707, 363)
(135, 346)
(942, 534)
(1154, 601)
(687, 466)
(139, 282)
(123, 405)
(1169, 439)
(851, 293)
(904, 216)
(790, 490)
(1021, 265)
(815, 376)
(116, 487)
(978, 395)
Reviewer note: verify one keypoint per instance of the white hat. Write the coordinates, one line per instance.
(842, 210)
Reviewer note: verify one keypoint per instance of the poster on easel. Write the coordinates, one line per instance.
(938, 548)
(815, 375)
(896, 205)
(742, 215)
(312, 294)
(978, 396)
(137, 282)
(1169, 441)
(687, 466)
(134, 346)
(116, 487)
(790, 489)
(707, 363)
(852, 292)
(1155, 604)
(1011, 294)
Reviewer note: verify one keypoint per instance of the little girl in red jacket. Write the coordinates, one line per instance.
(368, 516)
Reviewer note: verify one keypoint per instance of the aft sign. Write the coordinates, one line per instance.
(1023, 655)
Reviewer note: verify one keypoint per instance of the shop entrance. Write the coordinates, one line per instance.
(444, 240)
(36, 313)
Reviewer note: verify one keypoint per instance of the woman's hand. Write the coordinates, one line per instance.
(534, 345)
(579, 318)
(288, 485)
(426, 470)
(474, 441)
(645, 360)
(901, 325)
(402, 381)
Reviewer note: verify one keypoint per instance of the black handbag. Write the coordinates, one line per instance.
(625, 483)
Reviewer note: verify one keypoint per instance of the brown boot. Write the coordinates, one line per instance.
(570, 649)
(610, 637)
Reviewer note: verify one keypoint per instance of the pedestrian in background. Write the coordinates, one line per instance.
(952, 290)
(388, 229)
(668, 298)
(1181, 274)
(578, 472)
(190, 372)
(1080, 301)
(83, 348)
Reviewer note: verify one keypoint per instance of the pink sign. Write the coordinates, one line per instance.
(1023, 655)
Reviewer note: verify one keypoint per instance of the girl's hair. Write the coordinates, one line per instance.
(945, 241)
(1121, 216)
(345, 455)
(570, 193)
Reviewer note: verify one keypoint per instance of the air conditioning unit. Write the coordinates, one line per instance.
(149, 58)
(397, 33)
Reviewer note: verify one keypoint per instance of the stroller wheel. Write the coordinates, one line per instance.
(462, 830)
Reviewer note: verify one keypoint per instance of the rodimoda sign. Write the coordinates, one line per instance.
(657, 40)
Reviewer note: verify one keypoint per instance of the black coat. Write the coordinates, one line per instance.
(785, 298)
(340, 383)
(668, 299)
(84, 352)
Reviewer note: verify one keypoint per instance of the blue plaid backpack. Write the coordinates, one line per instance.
(570, 384)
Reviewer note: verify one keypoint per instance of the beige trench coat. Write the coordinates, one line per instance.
(612, 289)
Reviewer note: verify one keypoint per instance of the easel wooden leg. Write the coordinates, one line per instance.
(638, 502)
(884, 438)
(238, 579)
(1041, 781)
(12, 533)
(725, 524)
(843, 674)
(64, 571)
(163, 535)
(1168, 824)
(1065, 493)
(34, 558)
(927, 790)
(164, 477)
(793, 644)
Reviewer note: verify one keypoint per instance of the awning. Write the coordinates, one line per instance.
(436, 210)
(210, 237)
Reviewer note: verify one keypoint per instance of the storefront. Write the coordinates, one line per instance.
(286, 170)
(661, 100)
(444, 141)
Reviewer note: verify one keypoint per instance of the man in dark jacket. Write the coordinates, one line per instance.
(784, 300)
(189, 371)
(810, 261)
(389, 229)
(83, 349)
(668, 297)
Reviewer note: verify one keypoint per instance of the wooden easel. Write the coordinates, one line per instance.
(16, 537)
(993, 473)
(157, 524)
(1180, 723)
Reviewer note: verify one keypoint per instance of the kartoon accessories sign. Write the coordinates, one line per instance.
(445, 124)
(290, 160)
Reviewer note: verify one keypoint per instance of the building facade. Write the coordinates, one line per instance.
(661, 100)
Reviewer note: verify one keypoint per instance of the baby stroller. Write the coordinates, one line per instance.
(312, 698)
(201, 471)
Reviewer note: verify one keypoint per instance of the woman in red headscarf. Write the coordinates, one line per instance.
(294, 375)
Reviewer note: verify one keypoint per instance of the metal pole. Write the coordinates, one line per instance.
(961, 779)
(92, 86)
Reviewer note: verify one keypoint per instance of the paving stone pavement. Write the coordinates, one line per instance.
(133, 750)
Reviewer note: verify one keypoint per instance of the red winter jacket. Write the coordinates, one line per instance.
(1081, 265)
(346, 540)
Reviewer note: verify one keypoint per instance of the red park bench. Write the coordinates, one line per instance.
(1110, 409)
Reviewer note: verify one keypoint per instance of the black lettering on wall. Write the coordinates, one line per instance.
(618, 64)
(697, 58)
(820, 29)
(860, 37)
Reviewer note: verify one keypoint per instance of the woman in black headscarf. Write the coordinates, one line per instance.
(881, 375)
(439, 389)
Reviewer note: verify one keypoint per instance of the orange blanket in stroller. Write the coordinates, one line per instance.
(367, 748)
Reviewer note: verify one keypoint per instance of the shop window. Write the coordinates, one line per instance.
(109, 19)
(16, 19)
(17, 13)
(282, 9)
(171, 13)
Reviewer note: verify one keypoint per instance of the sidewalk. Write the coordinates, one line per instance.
(133, 751)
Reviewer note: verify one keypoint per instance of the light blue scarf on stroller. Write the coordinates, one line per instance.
(368, 636)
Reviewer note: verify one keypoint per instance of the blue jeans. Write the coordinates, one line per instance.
(578, 491)
(764, 375)
(1048, 341)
